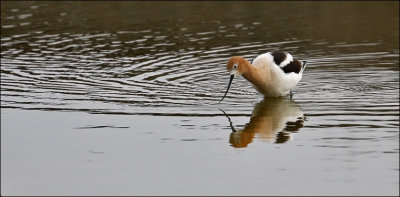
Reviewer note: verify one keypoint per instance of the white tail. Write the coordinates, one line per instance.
(304, 65)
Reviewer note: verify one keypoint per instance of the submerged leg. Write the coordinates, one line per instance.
(291, 94)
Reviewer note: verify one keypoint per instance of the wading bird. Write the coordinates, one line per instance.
(273, 74)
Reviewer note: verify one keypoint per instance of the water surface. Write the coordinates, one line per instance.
(121, 98)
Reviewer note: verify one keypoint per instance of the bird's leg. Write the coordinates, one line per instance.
(291, 94)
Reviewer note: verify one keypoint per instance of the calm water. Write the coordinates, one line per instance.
(121, 98)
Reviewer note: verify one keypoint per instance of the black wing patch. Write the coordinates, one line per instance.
(279, 57)
(293, 66)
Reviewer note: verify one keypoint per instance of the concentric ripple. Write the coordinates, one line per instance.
(141, 72)
(82, 72)
(178, 67)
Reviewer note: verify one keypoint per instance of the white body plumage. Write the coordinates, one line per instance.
(279, 82)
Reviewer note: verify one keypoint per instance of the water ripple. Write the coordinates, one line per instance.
(125, 71)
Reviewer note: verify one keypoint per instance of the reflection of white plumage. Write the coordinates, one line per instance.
(273, 74)
(273, 119)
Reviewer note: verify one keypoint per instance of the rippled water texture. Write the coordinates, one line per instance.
(152, 73)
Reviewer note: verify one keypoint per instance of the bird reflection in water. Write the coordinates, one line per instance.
(272, 120)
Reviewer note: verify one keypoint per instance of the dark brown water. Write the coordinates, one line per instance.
(121, 98)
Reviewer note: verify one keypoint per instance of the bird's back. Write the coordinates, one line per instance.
(284, 72)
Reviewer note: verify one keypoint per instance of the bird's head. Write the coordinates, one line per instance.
(235, 66)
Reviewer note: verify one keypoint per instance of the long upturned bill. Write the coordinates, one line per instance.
(229, 85)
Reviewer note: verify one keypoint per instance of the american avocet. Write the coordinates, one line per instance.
(273, 74)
